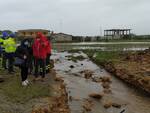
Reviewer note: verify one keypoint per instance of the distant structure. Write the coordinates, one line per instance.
(61, 37)
(117, 33)
(30, 33)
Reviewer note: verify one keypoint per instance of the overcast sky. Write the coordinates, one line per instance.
(77, 17)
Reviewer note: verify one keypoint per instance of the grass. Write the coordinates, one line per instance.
(104, 56)
(108, 56)
(12, 89)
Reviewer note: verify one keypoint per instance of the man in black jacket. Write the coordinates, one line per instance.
(23, 53)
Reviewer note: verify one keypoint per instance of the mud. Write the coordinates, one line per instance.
(56, 104)
(119, 96)
(133, 69)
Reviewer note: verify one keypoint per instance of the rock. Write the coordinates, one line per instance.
(108, 105)
(96, 96)
(116, 105)
(88, 74)
(106, 79)
(107, 91)
(106, 85)
(58, 79)
(71, 66)
(45, 110)
(88, 105)
(96, 79)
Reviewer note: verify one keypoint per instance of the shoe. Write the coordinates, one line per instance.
(24, 83)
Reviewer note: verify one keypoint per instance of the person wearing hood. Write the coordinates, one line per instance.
(49, 51)
(3, 39)
(1, 50)
(10, 48)
(40, 53)
(23, 53)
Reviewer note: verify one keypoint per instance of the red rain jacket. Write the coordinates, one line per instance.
(40, 47)
(49, 47)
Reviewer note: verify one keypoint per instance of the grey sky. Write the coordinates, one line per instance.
(77, 17)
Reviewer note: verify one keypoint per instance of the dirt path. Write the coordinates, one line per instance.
(85, 80)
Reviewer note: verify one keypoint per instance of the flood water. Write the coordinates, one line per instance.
(79, 88)
(103, 46)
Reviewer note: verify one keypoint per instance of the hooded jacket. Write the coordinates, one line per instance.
(23, 50)
(1, 45)
(40, 46)
(9, 45)
(49, 47)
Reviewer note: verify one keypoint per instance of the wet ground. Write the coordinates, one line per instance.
(103, 46)
(79, 88)
(39, 97)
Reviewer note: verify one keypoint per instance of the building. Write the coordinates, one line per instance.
(117, 33)
(30, 33)
(61, 37)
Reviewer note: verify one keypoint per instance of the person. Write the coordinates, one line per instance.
(40, 53)
(1, 49)
(49, 50)
(10, 48)
(23, 53)
(3, 39)
(30, 67)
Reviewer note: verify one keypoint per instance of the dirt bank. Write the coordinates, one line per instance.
(133, 68)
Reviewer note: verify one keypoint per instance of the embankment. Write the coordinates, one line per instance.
(131, 67)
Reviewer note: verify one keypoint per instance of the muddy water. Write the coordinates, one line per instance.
(79, 88)
(103, 46)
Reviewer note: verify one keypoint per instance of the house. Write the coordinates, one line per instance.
(61, 37)
(30, 33)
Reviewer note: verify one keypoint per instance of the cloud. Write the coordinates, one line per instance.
(78, 17)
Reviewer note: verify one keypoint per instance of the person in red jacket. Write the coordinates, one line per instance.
(49, 50)
(40, 53)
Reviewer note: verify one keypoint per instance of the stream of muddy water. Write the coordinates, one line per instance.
(79, 88)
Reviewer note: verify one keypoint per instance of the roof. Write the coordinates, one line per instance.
(33, 30)
(62, 34)
(117, 29)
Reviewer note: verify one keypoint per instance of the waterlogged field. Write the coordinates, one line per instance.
(103, 46)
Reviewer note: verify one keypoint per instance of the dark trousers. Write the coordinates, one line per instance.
(40, 67)
(24, 73)
(48, 63)
(4, 61)
(30, 65)
(10, 64)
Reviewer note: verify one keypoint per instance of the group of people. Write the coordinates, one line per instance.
(28, 56)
